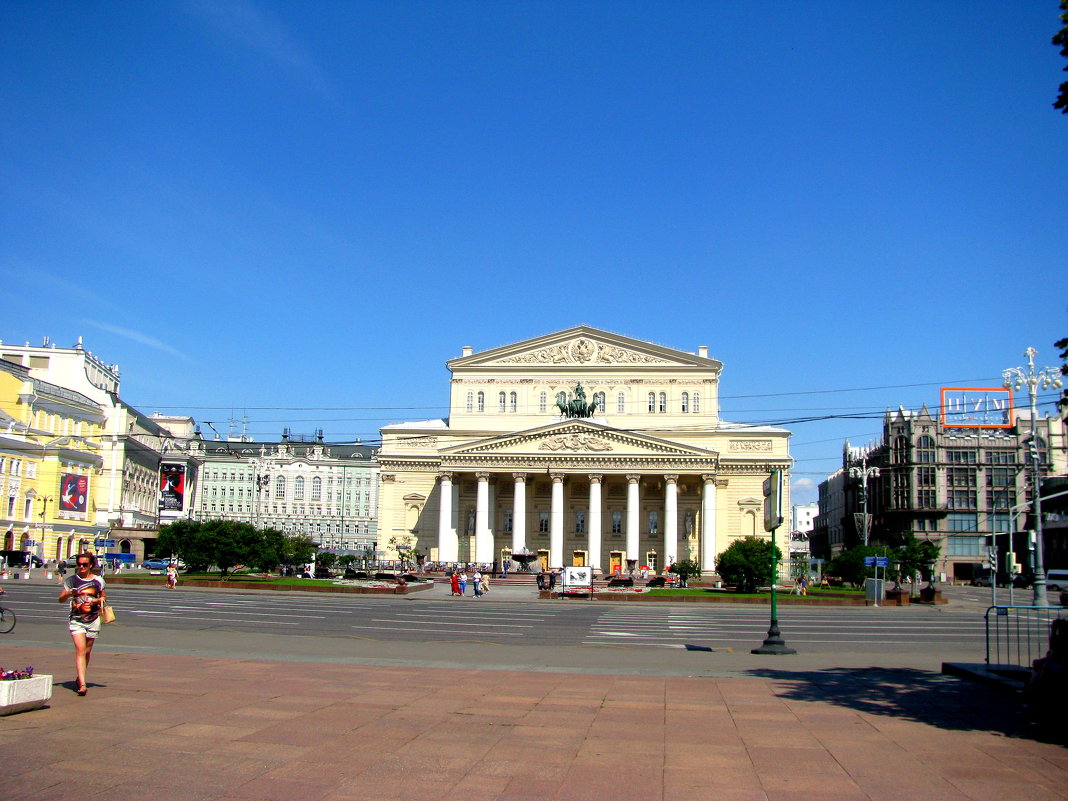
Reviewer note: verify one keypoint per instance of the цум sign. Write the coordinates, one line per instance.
(976, 407)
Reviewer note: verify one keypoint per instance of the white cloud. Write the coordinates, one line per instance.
(137, 336)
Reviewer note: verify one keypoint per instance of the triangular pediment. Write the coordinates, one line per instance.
(583, 347)
(577, 437)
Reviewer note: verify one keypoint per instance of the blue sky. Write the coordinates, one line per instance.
(311, 207)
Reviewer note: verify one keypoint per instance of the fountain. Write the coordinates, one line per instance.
(525, 558)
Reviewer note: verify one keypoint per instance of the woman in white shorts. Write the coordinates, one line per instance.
(85, 591)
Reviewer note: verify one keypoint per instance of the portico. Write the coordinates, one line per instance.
(651, 477)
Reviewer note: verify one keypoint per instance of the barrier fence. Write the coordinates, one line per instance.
(1018, 635)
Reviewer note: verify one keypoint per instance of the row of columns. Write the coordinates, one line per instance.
(448, 539)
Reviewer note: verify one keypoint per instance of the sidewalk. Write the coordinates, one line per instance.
(202, 728)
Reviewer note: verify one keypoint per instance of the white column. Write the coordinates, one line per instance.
(519, 513)
(709, 547)
(632, 518)
(594, 546)
(671, 521)
(448, 547)
(556, 522)
(483, 538)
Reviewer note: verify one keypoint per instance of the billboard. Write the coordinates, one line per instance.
(172, 487)
(976, 407)
(73, 492)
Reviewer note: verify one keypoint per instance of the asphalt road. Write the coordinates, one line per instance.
(511, 629)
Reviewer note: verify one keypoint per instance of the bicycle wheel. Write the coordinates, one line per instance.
(7, 620)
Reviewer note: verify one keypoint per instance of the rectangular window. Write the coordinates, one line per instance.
(962, 521)
(961, 499)
(508, 520)
(1000, 498)
(1000, 477)
(925, 476)
(580, 522)
(617, 522)
(965, 546)
(999, 522)
(960, 477)
(543, 522)
(1000, 457)
(654, 522)
(962, 456)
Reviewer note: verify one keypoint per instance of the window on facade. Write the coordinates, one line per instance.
(684, 406)
(508, 520)
(280, 487)
(513, 403)
(901, 450)
(652, 402)
(961, 455)
(317, 489)
(1001, 498)
(470, 401)
(962, 521)
(961, 499)
(543, 402)
(543, 522)
(696, 403)
(580, 522)
(960, 477)
(654, 522)
(926, 498)
(599, 400)
(965, 546)
(617, 522)
(482, 401)
(925, 476)
(1000, 457)
(925, 450)
(298, 488)
(502, 402)
(999, 522)
(621, 403)
(1001, 476)
(663, 402)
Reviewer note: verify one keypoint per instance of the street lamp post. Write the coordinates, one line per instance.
(1047, 377)
(864, 473)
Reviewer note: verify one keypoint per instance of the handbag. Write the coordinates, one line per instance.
(107, 614)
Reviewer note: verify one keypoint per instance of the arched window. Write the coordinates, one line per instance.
(696, 402)
(298, 488)
(621, 403)
(280, 487)
(685, 408)
(502, 401)
(317, 489)
(470, 401)
(652, 402)
(925, 450)
(598, 399)
(901, 450)
(482, 401)
(543, 402)
(663, 402)
(513, 403)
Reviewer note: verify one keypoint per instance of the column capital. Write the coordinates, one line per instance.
(445, 475)
(557, 478)
(671, 479)
(519, 477)
(482, 476)
(633, 478)
(722, 482)
(596, 478)
(708, 478)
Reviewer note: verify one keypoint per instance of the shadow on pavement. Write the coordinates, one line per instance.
(945, 702)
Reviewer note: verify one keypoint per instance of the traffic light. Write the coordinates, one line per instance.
(773, 500)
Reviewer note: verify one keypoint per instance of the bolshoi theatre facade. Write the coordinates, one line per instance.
(583, 447)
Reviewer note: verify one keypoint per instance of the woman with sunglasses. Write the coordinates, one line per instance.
(85, 591)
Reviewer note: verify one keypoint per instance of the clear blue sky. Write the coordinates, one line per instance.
(276, 204)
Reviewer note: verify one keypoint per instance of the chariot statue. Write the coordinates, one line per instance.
(575, 405)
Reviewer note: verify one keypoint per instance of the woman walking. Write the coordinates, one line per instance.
(463, 582)
(172, 575)
(86, 595)
(454, 580)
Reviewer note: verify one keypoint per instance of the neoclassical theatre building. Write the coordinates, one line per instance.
(583, 447)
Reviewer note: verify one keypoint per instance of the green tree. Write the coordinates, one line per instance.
(746, 564)
(326, 559)
(298, 549)
(916, 557)
(269, 550)
(190, 540)
(235, 543)
(1060, 39)
(1062, 344)
(849, 565)
(685, 569)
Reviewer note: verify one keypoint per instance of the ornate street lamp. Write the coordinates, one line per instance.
(864, 473)
(1047, 377)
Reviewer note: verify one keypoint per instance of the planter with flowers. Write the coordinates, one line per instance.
(20, 690)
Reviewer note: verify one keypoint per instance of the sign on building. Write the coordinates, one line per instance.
(976, 407)
(73, 492)
(172, 487)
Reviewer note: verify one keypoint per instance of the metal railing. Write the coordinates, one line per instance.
(1018, 635)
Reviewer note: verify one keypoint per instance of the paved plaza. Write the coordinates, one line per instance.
(184, 727)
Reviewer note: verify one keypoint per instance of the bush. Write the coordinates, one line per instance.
(746, 564)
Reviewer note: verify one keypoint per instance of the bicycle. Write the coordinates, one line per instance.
(7, 620)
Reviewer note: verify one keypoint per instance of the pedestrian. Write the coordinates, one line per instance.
(86, 595)
(804, 585)
(552, 579)
(542, 583)
(172, 575)
(504, 568)
(485, 583)
(463, 582)
(797, 586)
(454, 581)
(476, 583)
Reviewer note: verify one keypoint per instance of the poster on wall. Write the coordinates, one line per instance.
(73, 492)
(172, 487)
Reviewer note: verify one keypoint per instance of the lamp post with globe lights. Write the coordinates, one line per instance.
(864, 473)
(1046, 378)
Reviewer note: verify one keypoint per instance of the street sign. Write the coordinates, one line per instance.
(104, 543)
(882, 561)
(869, 561)
(29, 543)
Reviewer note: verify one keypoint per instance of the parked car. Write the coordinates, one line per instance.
(160, 564)
(1057, 580)
(982, 581)
(21, 559)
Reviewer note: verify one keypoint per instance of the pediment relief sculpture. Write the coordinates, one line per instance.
(575, 442)
(583, 351)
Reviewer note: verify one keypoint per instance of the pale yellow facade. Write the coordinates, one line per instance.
(654, 476)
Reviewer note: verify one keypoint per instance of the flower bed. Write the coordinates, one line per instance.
(21, 691)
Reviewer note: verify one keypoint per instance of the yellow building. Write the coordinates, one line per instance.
(582, 447)
(49, 465)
